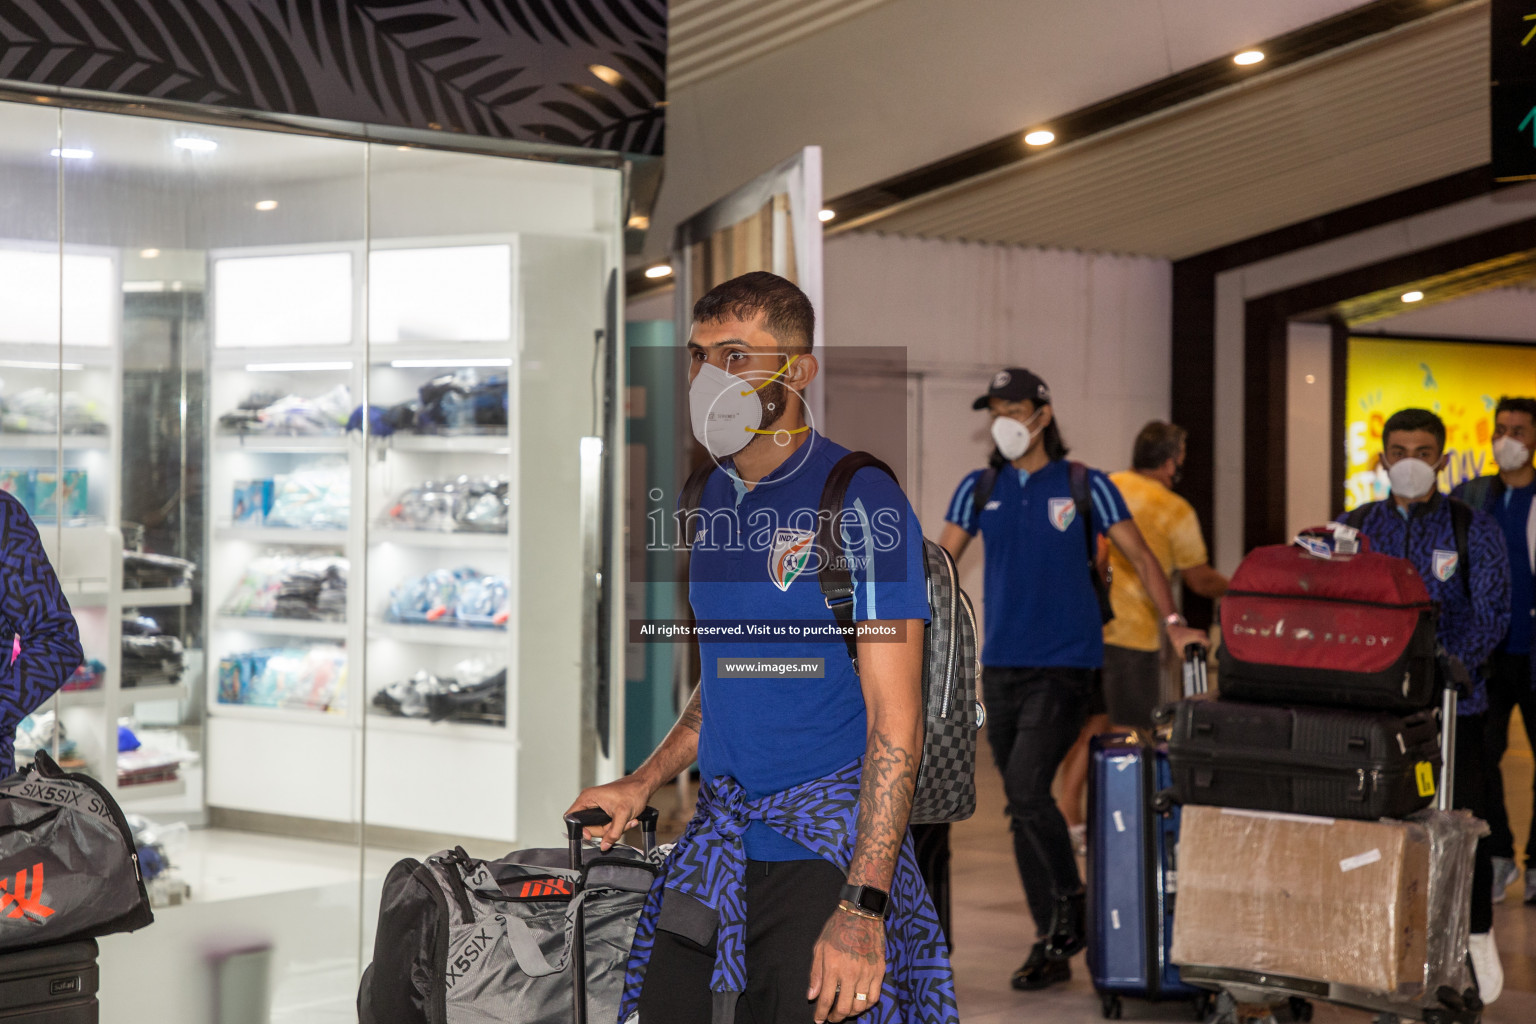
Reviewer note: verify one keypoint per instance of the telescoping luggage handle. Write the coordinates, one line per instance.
(1196, 658)
(1447, 746)
(578, 822)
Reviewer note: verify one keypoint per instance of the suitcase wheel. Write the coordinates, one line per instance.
(1301, 1009)
(1111, 1006)
(1162, 801)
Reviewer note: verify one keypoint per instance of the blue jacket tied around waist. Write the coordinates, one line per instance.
(709, 864)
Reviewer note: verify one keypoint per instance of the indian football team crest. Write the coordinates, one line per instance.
(1445, 564)
(1062, 512)
(788, 556)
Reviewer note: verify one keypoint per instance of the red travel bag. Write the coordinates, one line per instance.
(1355, 631)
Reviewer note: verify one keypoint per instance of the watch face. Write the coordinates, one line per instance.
(866, 897)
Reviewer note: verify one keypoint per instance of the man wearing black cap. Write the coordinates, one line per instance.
(1041, 518)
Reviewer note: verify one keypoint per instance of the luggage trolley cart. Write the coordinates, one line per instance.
(1244, 996)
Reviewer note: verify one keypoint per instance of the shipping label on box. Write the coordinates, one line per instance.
(1344, 902)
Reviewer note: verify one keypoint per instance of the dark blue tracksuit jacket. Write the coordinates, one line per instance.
(34, 612)
(1470, 625)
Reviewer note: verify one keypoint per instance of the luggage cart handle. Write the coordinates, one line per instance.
(578, 822)
(1195, 658)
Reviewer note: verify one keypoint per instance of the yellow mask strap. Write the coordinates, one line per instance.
(775, 377)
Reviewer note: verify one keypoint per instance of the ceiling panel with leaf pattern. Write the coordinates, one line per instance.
(574, 72)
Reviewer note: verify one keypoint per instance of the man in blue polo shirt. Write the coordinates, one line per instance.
(793, 895)
(1044, 642)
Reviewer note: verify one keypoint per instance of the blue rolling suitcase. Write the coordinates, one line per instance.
(1131, 872)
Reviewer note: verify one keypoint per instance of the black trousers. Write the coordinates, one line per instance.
(788, 903)
(931, 845)
(1469, 779)
(1033, 718)
(1509, 687)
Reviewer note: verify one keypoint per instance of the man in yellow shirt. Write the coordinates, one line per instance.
(1132, 640)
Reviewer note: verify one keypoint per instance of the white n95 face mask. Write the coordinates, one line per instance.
(1510, 454)
(1411, 478)
(1012, 437)
(724, 410)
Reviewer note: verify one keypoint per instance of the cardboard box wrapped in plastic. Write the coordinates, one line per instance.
(1344, 902)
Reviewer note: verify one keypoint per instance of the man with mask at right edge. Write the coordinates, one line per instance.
(1420, 524)
(1510, 498)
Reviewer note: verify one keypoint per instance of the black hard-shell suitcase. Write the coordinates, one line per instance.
(50, 984)
(1305, 760)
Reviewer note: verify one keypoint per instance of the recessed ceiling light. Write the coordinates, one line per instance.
(195, 145)
(826, 215)
(72, 154)
(149, 254)
(1412, 296)
(1248, 57)
(638, 222)
(606, 74)
(660, 270)
(1040, 137)
(267, 204)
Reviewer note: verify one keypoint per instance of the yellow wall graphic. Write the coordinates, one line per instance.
(1460, 381)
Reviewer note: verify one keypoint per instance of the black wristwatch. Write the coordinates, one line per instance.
(867, 898)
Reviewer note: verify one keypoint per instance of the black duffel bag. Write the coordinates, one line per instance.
(68, 866)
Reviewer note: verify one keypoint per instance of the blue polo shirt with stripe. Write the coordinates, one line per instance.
(1041, 610)
(747, 566)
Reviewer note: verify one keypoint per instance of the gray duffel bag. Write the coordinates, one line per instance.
(468, 941)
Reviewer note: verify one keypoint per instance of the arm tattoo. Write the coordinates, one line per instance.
(693, 715)
(885, 803)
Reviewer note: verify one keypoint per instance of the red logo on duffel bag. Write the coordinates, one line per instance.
(18, 903)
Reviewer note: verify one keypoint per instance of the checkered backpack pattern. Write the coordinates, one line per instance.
(953, 712)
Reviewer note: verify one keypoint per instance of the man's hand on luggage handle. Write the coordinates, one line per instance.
(1183, 636)
(623, 800)
(848, 966)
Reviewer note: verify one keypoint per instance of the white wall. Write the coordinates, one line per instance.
(1095, 327)
(1309, 427)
